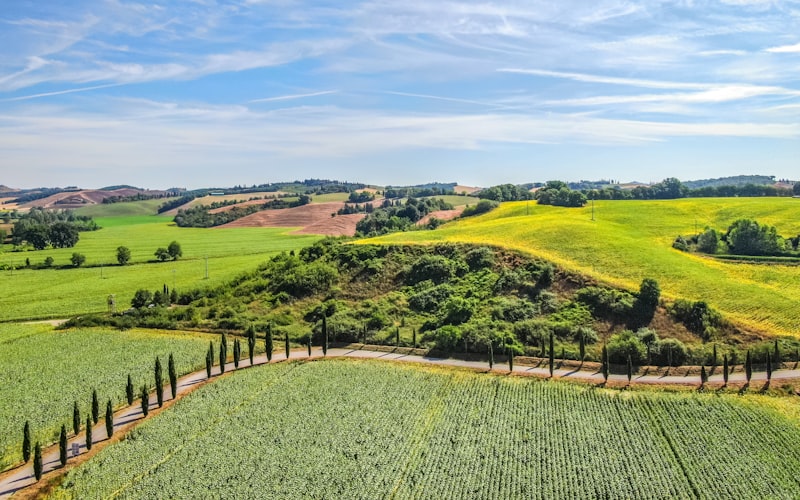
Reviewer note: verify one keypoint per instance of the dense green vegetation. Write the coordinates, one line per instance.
(398, 215)
(206, 216)
(351, 429)
(41, 228)
(46, 371)
(743, 237)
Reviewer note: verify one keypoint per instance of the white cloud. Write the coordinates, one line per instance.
(785, 49)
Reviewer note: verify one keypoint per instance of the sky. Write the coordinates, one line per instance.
(219, 93)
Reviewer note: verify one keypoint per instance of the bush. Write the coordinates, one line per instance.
(482, 207)
(625, 344)
(698, 317)
(606, 302)
(77, 259)
(446, 338)
(430, 267)
(664, 349)
(141, 298)
(479, 258)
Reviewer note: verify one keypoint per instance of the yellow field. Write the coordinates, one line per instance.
(631, 240)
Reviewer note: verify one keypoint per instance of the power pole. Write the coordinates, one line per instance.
(206, 267)
(592, 208)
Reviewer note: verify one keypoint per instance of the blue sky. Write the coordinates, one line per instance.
(201, 93)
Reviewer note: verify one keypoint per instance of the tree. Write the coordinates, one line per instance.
(63, 235)
(88, 433)
(159, 383)
(174, 250)
(26, 442)
(76, 418)
(48, 261)
(62, 445)
(162, 254)
(223, 353)
(748, 367)
(77, 259)
(325, 335)
(129, 390)
(769, 367)
(286, 342)
(109, 419)
(38, 235)
(173, 376)
(491, 355)
(268, 344)
(747, 237)
(604, 361)
(251, 342)
(237, 352)
(511, 360)
(777, 355)
(123, 255)
(708, 241)
(644, 308)
(141, 298)
(37, 461)
(725, 368)
(703, 375)
(95, 407)
(308, 344)
(209, 359)
(144, 398)
(630, 369)
(414, 338)
(551, 358)
(714, 356)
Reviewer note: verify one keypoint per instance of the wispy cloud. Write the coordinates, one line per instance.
(785, 49)
(294, 96)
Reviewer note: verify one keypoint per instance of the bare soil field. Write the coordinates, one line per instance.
(314, 218)
(466, 189)
(77, 199)
(442, 215)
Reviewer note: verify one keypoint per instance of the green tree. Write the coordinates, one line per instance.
(748, 367)
(308, 344)
(223, 353)
(286, 342)
(703, 375)
(63, 235)
(725, 368)
(747, 237)
(77, 259)
(644, 308)
(325, 335)
(62, 446)
(129, 390)
(123, 255)
(88, 433)
(414, 337)
(604, 363)
(37, 461)
(237, 352)
(159, 383)
(209, 359)
(144, 400)
(173, 376)
(268, 344)
(26, 442)
(141, 298)
(48, 261)
(769, 367)
(251, 342)
(491, 355)
(708, 241)
(162, 254)
(511, 360)
(625, 344)
(629, 369)
(76, 418)
(174, 250)
(551, 355)
(95, 407)
(109, 419)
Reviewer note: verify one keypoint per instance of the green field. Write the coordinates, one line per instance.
(125, 209)
(458, 201)
(46, 371)
(367, 429)
(38, 293)
(631, 240)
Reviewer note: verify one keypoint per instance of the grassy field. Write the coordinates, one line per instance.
(37, 293)
(46, 371)
(329, 197)
(367, 429)
(126, 209)
(458, 201)
(631, 240)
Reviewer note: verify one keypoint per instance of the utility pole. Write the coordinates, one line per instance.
(206, 267)
(592, 208)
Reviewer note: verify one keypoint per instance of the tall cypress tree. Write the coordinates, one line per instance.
(76, 418)
(630, 369)
(268, 344)
(769, 367)
(62, 446)
(209, 359)
(748, 367)
(109, 419)
(414, 337)
(308, 344)
(237, 353)
(173, 376)
(144, 400)
(251, 343)
(511, 360)
(397, 337)
(88, 433)
(26, 442)
(324, 336)
(223, 354)
(604, 361)
(703, 375)
(552, 355)
(159, 383)
(95, 407)
(491, 355)
(129, 390)
(725, 368)
(582, 347)
(286, 345)
(714, 356)
(37, 461)
(777, 355)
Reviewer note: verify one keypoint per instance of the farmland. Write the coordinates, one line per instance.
(46, 371)
(38, 293)
(631, 240)
(365, 429)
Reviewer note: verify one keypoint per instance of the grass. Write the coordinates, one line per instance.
(125, 209)
(458, 201)
(631, 240)
(46, 371)
(40, 293)
(370, 429)
(329, 197)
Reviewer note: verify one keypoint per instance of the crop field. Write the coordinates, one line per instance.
(45, 371)
(367, 429)
(125, 209)
(458, 201)
(631, 240)
(39, 293)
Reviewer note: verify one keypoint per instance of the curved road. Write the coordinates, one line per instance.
(21, 477)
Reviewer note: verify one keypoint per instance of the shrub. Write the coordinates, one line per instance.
(669, 348)
(430, 267)
(623, 345)
(446, 338)
(479, 258)
(606, 302)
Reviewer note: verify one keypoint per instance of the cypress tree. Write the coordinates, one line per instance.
(491, 355)
(552, 356)
(237, 353)
(725, 368)
(144, 400)
(209, 359)
(286, 342)
(769, 367)
(223, 354)
(582, 347)
(414, 337)
(777, 355)
(76, 418)
(630, 369)
(714, 356)
(703, 375)
(159, 383)
(324, 336)
(604, 358)
(748, 367)
(251, 343)
(88, 433)
(268, 343)
(397, 337)
(510, 360)
(308, 344)
(37, 461)
(95, 407)
(129, 390)
(364, 335)
(62, 446)
(109, 419)
(173, 376)
(26, 442)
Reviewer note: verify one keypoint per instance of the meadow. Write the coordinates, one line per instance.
(370, 429)
(65, 291)
(45, 371)
(631, 240)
